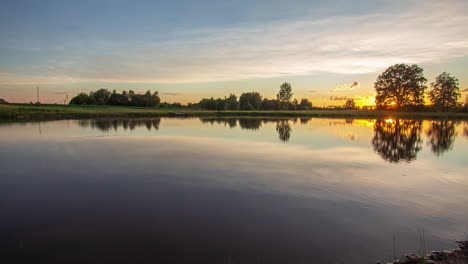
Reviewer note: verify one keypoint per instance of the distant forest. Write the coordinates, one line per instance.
(105, 97)
(247, 101)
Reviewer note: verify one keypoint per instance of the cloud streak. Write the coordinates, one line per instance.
(339, 98)
(345, 87)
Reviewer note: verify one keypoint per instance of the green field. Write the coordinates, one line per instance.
(42, 112)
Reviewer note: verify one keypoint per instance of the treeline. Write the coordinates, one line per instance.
(401, 87)
(251, 101)
(247, 101)
(105, 97)
(255, 101)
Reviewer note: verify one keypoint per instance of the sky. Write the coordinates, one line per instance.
(187, 50)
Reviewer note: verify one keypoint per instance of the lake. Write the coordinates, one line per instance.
(229, 190)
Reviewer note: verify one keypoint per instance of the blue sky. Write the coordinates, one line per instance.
(188, 50)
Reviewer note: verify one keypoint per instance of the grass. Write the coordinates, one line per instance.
(39, 112)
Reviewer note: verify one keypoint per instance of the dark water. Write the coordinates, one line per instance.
(231, 190)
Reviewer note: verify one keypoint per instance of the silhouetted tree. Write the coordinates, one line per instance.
(83, 99)
(102, 96)
(250, 101)
(350, 104)
(294, 104)
(138, 100)
(284, 96)
(231, 102)
(398, 140)
(131, 95)
(284, 130)
(305, 104)
(209, 104)
(441, 135)
(445, 92)
(220, 104)
(171, 105)
(269, 104)
(155, 99)
(119, 99)
(402, 85)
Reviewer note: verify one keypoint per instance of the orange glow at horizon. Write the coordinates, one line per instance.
(366, 101)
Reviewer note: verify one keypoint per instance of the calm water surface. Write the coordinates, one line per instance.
(207, 190)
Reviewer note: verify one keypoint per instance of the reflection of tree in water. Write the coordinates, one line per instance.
(284, 129)
(441, 135)
(108, 124)
(397, 140)
(465, 129)
(304, 121)
(250, 123)
(282, 125)
(231, 122)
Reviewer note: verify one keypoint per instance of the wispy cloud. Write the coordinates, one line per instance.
(346, 87)
(433, 32)
(339, 98)
(312, 91)
(14, 79)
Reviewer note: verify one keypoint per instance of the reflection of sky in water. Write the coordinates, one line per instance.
(240, 190)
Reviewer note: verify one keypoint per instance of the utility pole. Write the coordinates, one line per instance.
(38, 94)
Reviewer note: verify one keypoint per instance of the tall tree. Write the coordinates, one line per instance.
(285, 94)
(155, 100)
(445, 92)
(400, 85)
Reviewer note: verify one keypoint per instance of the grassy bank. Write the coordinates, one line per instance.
(41, 112)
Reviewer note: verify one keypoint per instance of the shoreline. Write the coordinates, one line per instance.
(456, 256)
(24, 112)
